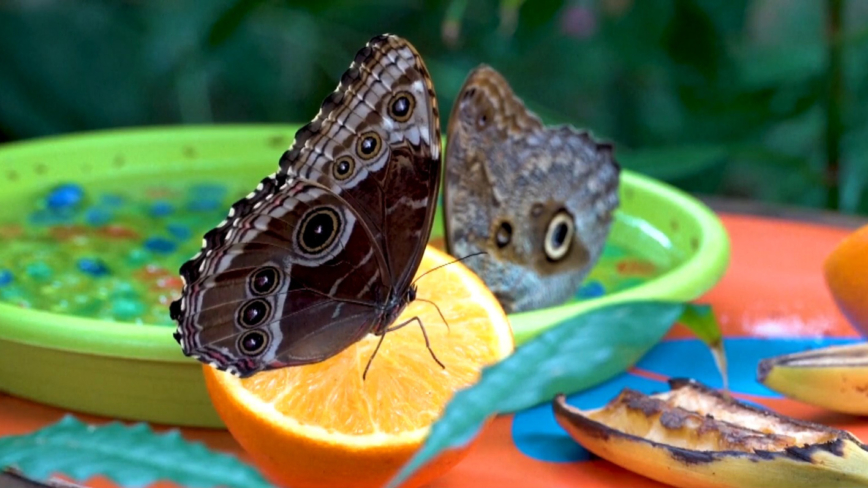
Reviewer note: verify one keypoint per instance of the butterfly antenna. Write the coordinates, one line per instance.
(447, 264)
(438, 311)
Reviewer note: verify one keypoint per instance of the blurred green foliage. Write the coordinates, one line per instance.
(762, 99)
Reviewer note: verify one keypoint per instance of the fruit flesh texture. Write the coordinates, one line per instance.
(696, 450)
(685, 419)
(321, 425)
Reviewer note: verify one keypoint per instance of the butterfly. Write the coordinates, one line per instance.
(324, 250)
(538, 201)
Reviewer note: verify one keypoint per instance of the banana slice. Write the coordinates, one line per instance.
(835, 378)
(694, 436)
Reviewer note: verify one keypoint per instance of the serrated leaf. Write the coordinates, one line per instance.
(701, 320)
(578, 353)
(132, 456)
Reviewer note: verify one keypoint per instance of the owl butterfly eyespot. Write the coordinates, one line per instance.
(344, 168)
(559, 236)
(324, 250)
(265, 280)
(402, 106)
(539, 201)
(253, 313)
(503, 235)
(252, 343)
(370, 145)
(318, 230)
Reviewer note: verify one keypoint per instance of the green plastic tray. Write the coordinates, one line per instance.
(138, 372)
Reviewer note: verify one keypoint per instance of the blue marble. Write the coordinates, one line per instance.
(65, 196)
(160, 245)
(204, 205)
(208, 190)
(93, 267)
(179, 231)
(112, 200)
(161, 209)
(97, 216)
(591, 289)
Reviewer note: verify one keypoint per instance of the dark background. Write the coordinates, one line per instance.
(759, 99)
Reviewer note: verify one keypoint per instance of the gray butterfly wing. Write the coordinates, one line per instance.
(539, 201)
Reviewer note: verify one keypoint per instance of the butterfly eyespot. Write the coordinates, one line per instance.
(318, 229)
(503, 236)
(402, 105)
(369, 145)
(537, 210)
(264, 280)
(559, 236)
(254, 313)
(482, 120)
(253, 342)
(343, 168)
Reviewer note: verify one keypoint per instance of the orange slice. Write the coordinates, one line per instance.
(321, 425)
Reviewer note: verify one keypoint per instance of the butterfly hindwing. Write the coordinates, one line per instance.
(539, 201)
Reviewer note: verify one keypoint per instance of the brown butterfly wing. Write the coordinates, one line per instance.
(365, 172)
(390, 137)
(291, 279)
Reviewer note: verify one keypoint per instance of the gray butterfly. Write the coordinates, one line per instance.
(539, 201)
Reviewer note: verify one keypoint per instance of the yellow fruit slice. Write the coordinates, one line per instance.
(695, 437)
(832, 377)
(321, 425)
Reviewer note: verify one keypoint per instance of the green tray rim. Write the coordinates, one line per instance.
(688, 281)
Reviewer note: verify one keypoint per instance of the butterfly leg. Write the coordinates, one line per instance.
(424, 334)
(394, 328)
(371, 359)
(438, 311)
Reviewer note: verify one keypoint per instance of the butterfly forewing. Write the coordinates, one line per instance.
(323, 251)
(376, 142)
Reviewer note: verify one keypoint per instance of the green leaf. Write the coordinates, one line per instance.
(700, 319)
(576, 354)
(132, 456)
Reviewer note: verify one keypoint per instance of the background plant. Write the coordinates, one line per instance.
(760, 99)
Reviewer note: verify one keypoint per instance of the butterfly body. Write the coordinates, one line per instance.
(538, 200)
(324, 251)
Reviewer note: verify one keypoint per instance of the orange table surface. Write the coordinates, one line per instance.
(773, 288)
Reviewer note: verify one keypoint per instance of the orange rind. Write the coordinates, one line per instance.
(323, 425)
